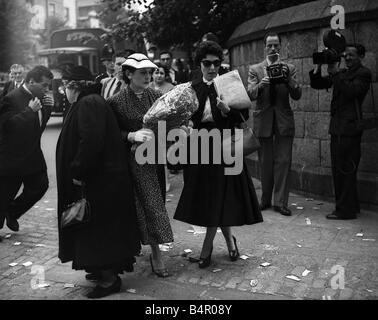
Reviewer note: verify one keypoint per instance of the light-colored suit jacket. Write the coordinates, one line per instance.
(266, 111)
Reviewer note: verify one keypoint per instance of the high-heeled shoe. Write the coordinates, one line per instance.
(205, 262)
(161, 273)
(234, 254)
(100, 292)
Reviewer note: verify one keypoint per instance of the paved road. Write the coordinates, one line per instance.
(330, 250)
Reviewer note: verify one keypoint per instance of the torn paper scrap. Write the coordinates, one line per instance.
(254, 283)
(43, 285)
(265, 264)
(359, 235)
(17, 243)
(7, 236)
(27, 264)
(368, 239)
(217, 270)
(308, 221)
(13, 264)
(131, 291)
(300, 208)
(188, 251)
(69, 285)
(305, 273)
(244, 257)
(293, 278)
(40, 245)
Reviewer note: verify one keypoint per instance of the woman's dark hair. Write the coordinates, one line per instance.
(205, 48)
(38, 73)
(124, 69)
(166, 71)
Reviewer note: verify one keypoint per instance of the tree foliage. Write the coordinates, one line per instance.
(181, 23)
(15, 40)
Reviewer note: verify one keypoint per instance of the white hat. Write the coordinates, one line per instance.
(139, 61)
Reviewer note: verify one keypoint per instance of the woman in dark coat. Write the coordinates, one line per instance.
(210, 198)
(90, 153)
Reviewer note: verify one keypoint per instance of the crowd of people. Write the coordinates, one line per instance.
(95, 155)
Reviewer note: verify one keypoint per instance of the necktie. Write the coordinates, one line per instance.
(118, 87)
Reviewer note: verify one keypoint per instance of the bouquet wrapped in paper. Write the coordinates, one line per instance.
(175, 108)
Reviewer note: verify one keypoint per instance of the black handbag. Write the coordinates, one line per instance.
(250, 142)
(77, 213)
(367, 123)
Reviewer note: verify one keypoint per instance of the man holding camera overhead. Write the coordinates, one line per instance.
(350, 87)
(271, 83)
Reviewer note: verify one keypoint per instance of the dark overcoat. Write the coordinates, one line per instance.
(90, 149)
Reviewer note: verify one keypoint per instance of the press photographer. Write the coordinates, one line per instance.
(350, 86)
(270, 83)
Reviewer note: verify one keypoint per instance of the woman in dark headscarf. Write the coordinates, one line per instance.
(91, 155)
(210, 198)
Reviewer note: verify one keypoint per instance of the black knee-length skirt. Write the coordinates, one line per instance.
(212, 199)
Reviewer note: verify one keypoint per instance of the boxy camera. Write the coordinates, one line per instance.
(335, 45)
(275, 73)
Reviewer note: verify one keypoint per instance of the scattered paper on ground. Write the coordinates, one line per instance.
(305, 273)
(43, 285)
(17, 243)
(244, 257)
(169, 200)
(7, 236)
(265, 264)
(13, 264)
(50, 209)
(163, 247)
(216, 270)
(308, 221)
(46, 201)
(188, 251)
(295, 278)
(294, 204)
(254, 283)
(368, 239)
(190, 231)
(199, 230)
(359, 235)
(299, 246)
(27, 264)
(40, 245)
(300, 208)
(131, 290)
(69, 285)
(368, 290)
(170, 195)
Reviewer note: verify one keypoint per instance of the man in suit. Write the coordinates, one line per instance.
(24, 114)
(274, 123)
(112, 86)
(350, 87)
(108, 63)
(16, 79)
(177, 77)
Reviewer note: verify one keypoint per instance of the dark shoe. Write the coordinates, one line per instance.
(93, 276)
(161, 273)
(265, 206)
(205, 262)
(100, 292)
(12, 223)
(283, 210)
(234, 254)
(333, 216)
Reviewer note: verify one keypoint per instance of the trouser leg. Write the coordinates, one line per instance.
(267, 169)
(9, 187)
(35, 186)
(283, 147)
(348, 202)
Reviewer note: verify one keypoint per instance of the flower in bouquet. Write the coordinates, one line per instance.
(175, 108)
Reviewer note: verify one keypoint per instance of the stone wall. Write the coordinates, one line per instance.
(302, 28)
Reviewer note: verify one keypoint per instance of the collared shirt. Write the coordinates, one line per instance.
(172, 74)
(111, 88)
(40, 115)
(207, 115)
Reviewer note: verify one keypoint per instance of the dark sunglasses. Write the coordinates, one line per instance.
(208, 63)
